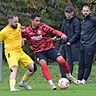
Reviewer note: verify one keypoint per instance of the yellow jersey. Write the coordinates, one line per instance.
(12, 38)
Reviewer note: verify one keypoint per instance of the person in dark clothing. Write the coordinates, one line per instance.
(71, 27)
(87, 44)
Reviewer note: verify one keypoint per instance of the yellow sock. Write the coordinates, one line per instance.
(25, 78)
(12, 84)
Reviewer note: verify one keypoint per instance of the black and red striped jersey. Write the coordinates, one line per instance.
(39, 39)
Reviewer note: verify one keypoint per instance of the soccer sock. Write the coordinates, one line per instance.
(46, 72)
(25, 78)
(64, 64)
(12, 84)
(50, 82)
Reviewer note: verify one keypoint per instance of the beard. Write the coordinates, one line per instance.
(14, 26)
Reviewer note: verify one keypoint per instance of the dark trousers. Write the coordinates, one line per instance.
(66, 52)
(86, 55)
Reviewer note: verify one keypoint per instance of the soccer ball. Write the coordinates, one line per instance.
(63, 83)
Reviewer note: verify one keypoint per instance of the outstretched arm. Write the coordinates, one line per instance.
(53, 31)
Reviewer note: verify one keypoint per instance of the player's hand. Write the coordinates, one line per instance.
(54, 38)
(64, 37)
(23, 41)
(22, 28)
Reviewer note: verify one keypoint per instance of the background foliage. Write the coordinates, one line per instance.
(51, 10)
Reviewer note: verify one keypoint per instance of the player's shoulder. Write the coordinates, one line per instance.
(19, 25)
(5, 29)
(26, 28)
(43, 25)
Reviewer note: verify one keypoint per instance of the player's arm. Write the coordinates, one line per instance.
(59, 33)
(55, 32)
(2, 35)
(23, 32)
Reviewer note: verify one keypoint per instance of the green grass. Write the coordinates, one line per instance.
(41, 88)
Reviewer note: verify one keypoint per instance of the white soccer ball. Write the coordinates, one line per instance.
(63, 83)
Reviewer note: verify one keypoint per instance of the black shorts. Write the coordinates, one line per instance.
(48, 54)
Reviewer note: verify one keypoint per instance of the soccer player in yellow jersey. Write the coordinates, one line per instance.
(11, 35)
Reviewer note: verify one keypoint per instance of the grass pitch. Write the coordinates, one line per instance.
(41, 88)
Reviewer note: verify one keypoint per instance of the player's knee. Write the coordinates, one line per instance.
(11, 70)
(33, 69)
(14, 69)
(59, 58)
(42, 61)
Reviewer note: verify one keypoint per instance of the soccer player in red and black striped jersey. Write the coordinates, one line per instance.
(42, 46)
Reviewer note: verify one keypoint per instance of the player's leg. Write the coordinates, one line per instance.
(31, 68)
(61, 61)
(12, 78)
(46, 73)
(41, 58)
(13, 66)
(30, 71)
(54, 55)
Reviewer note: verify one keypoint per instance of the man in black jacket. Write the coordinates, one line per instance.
(87, 44)
(71, 27)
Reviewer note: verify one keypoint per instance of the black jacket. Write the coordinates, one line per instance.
(72, 29)
(88, 30)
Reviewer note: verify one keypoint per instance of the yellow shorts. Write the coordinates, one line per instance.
(14, 57)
